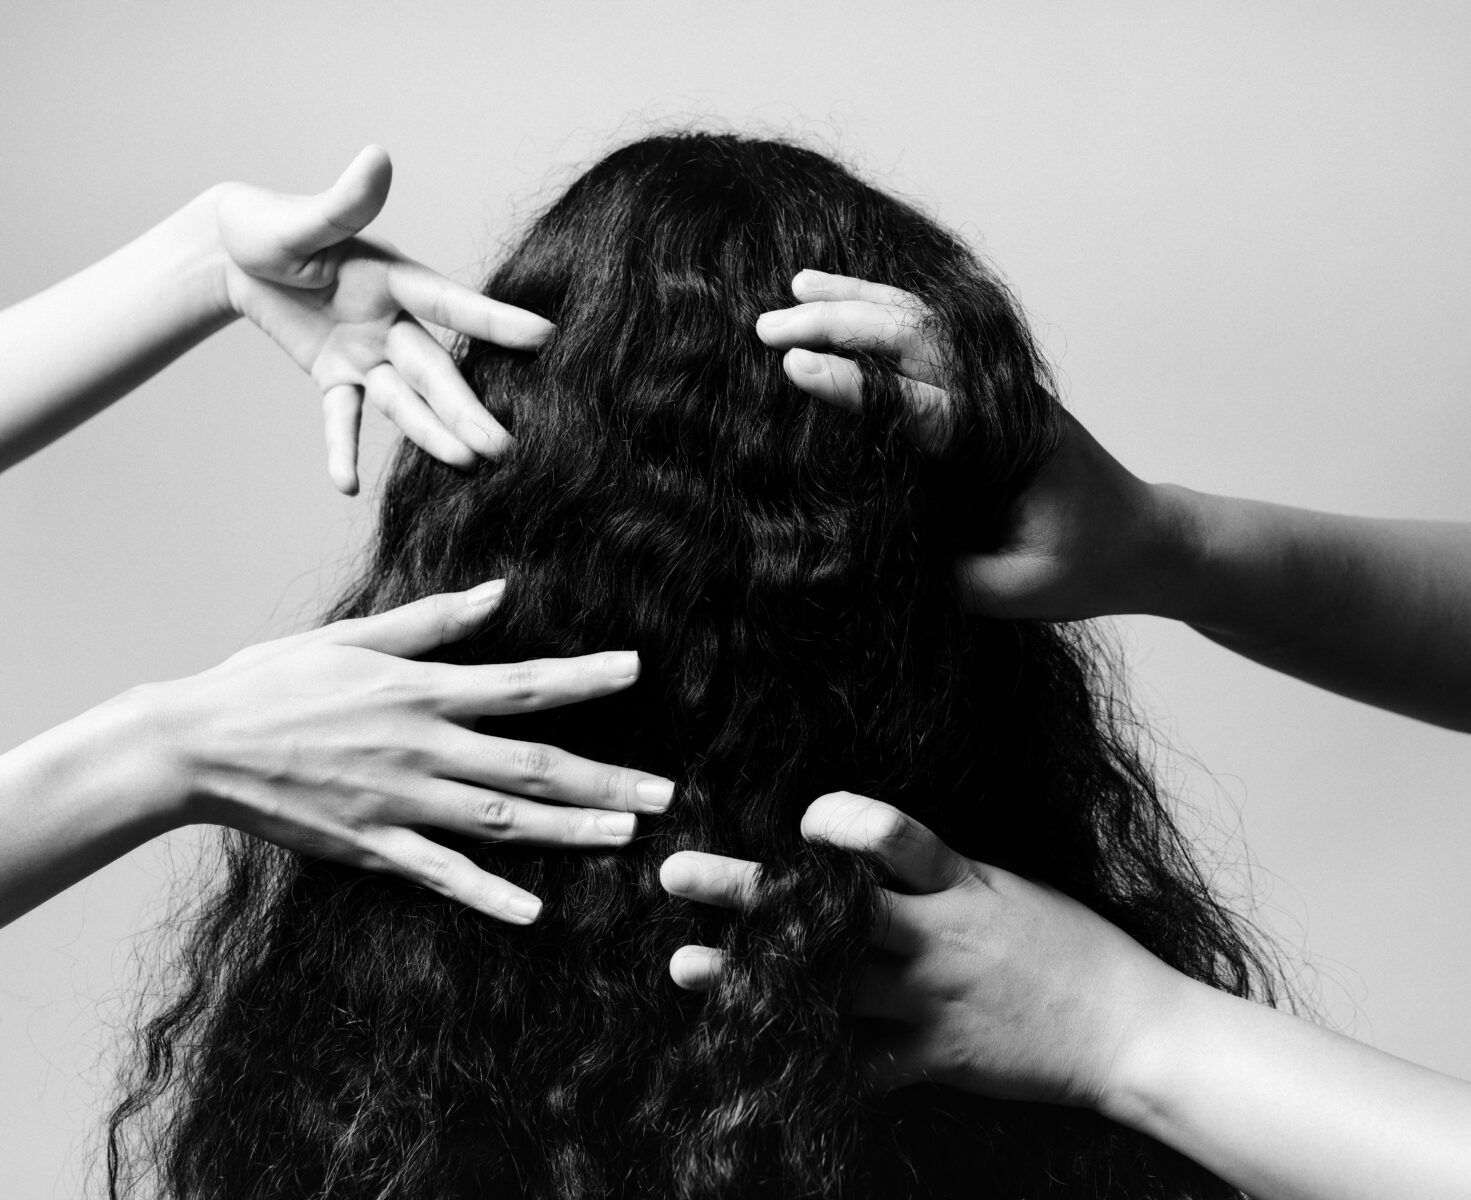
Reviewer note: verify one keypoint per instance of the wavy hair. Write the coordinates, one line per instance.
(784, 570)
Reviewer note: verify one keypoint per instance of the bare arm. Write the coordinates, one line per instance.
(1375, 610)
(333, 743)
(345, 308)
(1286, 1110)
(72, 350)
(1378, 610)
(1007, 988)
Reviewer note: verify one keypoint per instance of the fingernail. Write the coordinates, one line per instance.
(486, 593)
(623, 665)
(523, 909)
(774, 320)
(805, 362)
(619, 826)
(654, 794)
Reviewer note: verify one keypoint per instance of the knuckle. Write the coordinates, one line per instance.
(433, 870)
(616, 787)
(886, 826)
(523, 681)
(494, 812)
(533, 764)
(578, 825)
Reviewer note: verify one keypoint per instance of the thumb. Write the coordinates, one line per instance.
(345, 208)
(995, 585)
(423, 625)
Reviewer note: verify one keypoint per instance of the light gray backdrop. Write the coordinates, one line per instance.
(1242, 232)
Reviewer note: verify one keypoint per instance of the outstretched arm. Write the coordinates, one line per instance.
(336, 744)
(347, 309)
(1005, 987)
(1372, 609)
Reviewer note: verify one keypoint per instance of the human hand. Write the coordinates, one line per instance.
(983, 980)
(347, 309)
(334, 743)
(1087, 538)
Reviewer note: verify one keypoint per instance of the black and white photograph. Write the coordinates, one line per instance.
(768, 601)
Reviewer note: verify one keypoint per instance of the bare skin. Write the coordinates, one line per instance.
(1372, 609)
(337, 742)
(1004, 987)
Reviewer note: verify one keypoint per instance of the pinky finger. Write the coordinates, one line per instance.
(342, 409)
(455, 877)
(696, 968)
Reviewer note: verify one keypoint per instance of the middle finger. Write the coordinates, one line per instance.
(546, 773)
(500, 689)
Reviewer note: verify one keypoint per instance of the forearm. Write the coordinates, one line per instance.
(1286, 1110)
(77, 797)
(70, 351)
(1372, 609)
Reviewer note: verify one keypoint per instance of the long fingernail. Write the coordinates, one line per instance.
(623, 664)
(523, 909)
(486, 593)
(654, 794)
(804, 362)
(618, 826)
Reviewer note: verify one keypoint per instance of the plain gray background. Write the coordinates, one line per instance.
(1241, 231)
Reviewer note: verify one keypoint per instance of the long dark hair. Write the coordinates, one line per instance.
(784, 569)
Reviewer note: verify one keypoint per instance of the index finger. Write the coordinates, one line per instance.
(710, 878)
(432, 297)
(422, 625)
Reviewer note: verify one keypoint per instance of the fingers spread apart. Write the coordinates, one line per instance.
(388, 391)
(429, 370)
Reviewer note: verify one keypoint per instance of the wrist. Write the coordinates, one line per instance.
(201, 261)
(1175, 574)
(137, 732)
(101, 775)
(1138, 1088)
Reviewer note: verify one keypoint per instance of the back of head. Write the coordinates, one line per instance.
(783, 569)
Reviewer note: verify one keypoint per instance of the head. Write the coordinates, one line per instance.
(784, 570)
